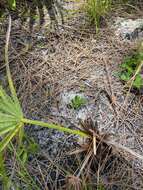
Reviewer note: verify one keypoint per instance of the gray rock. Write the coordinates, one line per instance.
(128, 28)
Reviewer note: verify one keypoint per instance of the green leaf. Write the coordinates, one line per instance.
(24, 157)
(127, 67)
(5, 124)
(117, 74)
(5, 117)
(9, 137)
(10, 117)
(141, 56)
(138, 82)
(6, 129)
(8, 105)
(6, 181)
(77, 102)
(125, 76)
(12, 4)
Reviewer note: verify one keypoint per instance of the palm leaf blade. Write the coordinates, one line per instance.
(4, 115)
(9, 137)
(7, 104)
(6, 129)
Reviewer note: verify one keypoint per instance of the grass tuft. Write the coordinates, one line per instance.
(96, 10)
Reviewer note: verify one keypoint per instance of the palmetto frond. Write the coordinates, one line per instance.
(24, 9)
(10, 118)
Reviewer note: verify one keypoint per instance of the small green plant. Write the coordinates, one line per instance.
(77, 102)
(131, 70)
(100, 187)
(96, 9)
(21, 155)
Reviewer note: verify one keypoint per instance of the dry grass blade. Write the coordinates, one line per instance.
(73, 182)
(125, 149)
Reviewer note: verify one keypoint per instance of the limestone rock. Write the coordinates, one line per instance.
(128, 28)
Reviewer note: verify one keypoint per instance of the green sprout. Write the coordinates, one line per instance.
(77, 102)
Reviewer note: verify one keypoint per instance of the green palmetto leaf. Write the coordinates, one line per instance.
(10, 118)
(9, 137)
(6, 129)
(8, 105)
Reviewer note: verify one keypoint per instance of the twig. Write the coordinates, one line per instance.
(113, 97)
(11, 85)
(125, 149)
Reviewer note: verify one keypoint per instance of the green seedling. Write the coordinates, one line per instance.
(77, 102)
(131, 69)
